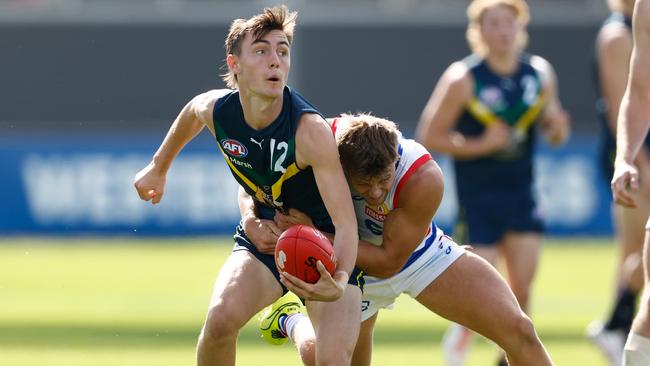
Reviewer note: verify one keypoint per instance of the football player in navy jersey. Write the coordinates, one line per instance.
(632, 128)
(282, 152)
(485, 112)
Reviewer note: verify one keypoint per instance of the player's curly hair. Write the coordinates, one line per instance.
(367, 144)
(275, 18)
(475, 11)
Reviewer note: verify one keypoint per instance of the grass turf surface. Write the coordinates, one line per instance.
(127, 302)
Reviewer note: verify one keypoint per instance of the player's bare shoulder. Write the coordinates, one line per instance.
(314, 139)
(543, 68)
(424, 189)
(203, 104)
(458, 75)
(612, 36)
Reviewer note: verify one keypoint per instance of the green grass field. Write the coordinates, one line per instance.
(142, 302)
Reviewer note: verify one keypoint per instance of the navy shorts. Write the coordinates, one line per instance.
(485, 220)
(243, 243)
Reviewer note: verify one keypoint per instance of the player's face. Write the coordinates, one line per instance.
(373, 189)
(499, 29)
(263, 66)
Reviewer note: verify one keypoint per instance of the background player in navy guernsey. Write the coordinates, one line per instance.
(281, 151)
(484, 112)
(397, 189)
(633, 124)
(612, 61)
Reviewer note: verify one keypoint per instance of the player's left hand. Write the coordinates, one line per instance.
(326, 289)
(624, 180)
(291, 218)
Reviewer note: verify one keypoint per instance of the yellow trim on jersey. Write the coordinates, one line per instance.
(481, 112)
(276, 188)
(531, 114)
(241, 176)
(486, 117)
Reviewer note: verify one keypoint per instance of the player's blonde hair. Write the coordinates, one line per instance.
(367, 144)
(275, 18)
(475, 12)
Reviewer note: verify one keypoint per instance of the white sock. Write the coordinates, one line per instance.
(290, 322)
(637, 350)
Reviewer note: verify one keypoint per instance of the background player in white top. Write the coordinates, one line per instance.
(633, 124)
(397, 189)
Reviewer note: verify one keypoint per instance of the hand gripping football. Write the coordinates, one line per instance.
(299, 248)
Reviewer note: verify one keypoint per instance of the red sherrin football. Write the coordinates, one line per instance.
(299, 248)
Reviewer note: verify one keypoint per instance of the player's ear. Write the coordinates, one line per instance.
(233, 63)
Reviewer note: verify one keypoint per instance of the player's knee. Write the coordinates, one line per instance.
(519, 334)
(344, 357)
(307, 351)
(524, 331)
(219, 324)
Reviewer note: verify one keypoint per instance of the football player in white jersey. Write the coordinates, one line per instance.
(397, 188)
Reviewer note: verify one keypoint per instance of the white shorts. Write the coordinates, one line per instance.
(647, 224)
(380, 293)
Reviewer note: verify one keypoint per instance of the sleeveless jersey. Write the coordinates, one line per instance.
(608, 141)
(517, 100)
(264, 161)
(371, 219)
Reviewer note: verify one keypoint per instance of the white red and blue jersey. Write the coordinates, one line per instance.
(371, 219)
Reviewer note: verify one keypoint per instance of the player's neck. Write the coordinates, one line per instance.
(502, 64)
(259, 112)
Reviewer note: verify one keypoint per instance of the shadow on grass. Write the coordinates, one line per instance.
(27, 335)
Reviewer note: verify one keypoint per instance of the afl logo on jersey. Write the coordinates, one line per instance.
(234, 148)
(492, 97)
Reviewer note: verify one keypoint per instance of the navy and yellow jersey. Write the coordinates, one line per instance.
(517, 100)
(608, 141)
(264, 161)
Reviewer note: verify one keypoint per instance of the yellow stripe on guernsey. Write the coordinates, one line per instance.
(276, 188)
(486, 117)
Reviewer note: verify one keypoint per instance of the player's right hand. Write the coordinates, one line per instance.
(150, 184)
(327, 288)
(263, 234)
(496, 137)
(624, 181)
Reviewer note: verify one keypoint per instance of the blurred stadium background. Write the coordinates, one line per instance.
(88, 89)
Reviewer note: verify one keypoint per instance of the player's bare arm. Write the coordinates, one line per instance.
(634, 116)
(316, 147)
(406, 225)
(614, 47)
(262, 233)
(442, 112)
(150, 181)
(554, 119)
